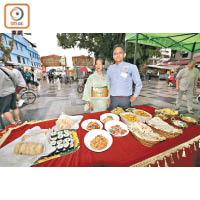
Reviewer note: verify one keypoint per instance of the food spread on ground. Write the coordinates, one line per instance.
(92, 125)
(117, 111)
(117, 130)
(64, 123)
(164, 128)
(145, 134)
(167, 111)
(108, 118)
(99, 142)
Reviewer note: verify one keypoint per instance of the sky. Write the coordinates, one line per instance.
(47, 45)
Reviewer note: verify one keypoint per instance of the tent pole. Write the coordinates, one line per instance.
(136, 42)
(193, 48)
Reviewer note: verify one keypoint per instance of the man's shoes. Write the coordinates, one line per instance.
(20, 103)
(190, 111)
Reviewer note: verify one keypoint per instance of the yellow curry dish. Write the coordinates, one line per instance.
(167, 111)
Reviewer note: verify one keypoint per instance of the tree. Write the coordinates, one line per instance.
(143, 54)
(6, 50)
(101, 44)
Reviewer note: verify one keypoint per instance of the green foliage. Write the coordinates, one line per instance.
(143, 54)
(101, 44)
(6, 50)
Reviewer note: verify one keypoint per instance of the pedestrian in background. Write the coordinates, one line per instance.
(8, 82)
(186, 83)
(20, 84)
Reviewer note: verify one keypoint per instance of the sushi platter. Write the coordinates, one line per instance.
(64, 142)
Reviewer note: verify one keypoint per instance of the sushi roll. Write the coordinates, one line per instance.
(66, 131)
(59, 142)
(53, 143)
(66, 135)
(53, 138)
(60, 136)
(66, 145)
(59, 147)
(53, 134)
(71, 140)
(71, 146)
(67, 140)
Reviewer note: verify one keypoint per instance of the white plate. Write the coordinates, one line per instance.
(115, 117)
(109, 124)
(92, 134)
(86, 122)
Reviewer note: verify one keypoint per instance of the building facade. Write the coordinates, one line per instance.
(23, 53)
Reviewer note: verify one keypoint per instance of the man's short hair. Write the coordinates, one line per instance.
(193, 62)
(119, 45)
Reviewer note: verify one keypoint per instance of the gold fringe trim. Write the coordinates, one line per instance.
(195, 148)
(171, 158)
(7, 133)
(183, 154)
(167, 153)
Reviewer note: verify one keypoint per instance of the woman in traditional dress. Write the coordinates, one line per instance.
(96, 91)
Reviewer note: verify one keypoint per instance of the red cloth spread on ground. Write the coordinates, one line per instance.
(125, 151)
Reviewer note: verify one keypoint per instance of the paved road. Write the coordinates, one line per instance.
(57, 98)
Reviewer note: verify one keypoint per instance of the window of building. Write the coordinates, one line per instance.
(18, 59)
(21, 47)
(24, 61)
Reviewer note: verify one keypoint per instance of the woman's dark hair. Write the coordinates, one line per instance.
(102, 60)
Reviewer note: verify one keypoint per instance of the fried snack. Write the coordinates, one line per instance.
(99, 142)
(130, 118)
(163, 128)
(145, 132)
(30, 148)
(64, 123)
(25, 137)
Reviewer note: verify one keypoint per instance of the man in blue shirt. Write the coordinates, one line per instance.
(121, 77)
